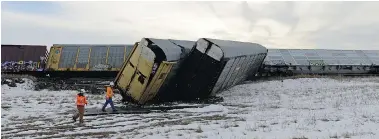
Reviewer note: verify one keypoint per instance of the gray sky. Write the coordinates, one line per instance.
(295, 24)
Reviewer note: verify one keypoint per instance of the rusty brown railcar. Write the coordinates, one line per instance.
(23, 57)
(22, 52)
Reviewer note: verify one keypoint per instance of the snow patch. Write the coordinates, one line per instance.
(294, 108)
(210, 108)
(27, 85)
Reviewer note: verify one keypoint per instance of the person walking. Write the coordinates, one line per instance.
(108, 97)
(80, 102)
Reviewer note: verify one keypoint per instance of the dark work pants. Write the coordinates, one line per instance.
(110, 102)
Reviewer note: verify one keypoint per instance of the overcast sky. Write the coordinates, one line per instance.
(330, 25)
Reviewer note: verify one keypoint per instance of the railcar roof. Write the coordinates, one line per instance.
(184, 43)
(322, 56)
(237, 48)
(93, 45)
(172, 48)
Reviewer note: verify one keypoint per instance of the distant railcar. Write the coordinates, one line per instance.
(151, 68)
(320, 61)
(216, 65)
(16, 58)
(87, 57)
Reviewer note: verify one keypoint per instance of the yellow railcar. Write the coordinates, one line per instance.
(87, 57)
(151, 68)
(186, 70)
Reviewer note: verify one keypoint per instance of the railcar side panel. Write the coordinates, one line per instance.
(168, 91)
(125, 77)
(68, 58)
(54, 57)
(128, 70)
(116, 56)
(204, 80)
(187, 72)
(229, 75)
(83, 58)
(89, 57)
(200, 71)
(233, 76)
(157, 81)
(98, 57)
(22, 53)
(223, 76)
(216, 65)
(123, 69)
(257, 64)
(142, 73)
(240, 69)
(251, 60)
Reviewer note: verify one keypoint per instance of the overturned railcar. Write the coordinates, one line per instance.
(150, 67)
(216, 65)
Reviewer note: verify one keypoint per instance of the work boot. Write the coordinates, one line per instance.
(102, 110)
(114, 110)
(73, 118)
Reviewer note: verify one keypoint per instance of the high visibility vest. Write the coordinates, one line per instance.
(109, 93)
(81, 100)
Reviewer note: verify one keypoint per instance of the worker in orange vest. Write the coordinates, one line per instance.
(108, 97)
(80, 102)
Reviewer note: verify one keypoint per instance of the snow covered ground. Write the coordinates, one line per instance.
(295, 108)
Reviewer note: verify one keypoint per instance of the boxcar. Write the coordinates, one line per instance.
(87, 57)
(216, 65)
(320, 61)
(150, 68)
(23, 57)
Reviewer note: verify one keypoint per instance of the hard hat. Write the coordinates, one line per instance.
(111, 84)
(81, 90)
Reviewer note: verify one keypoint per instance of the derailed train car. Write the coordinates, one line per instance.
(216, 65)
(187, 69)
(150, 68)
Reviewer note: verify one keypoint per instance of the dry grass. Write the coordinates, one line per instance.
(198, 130)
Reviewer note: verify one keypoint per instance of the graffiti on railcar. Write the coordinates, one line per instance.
(316, 62)
(101, 67)
(17, 66)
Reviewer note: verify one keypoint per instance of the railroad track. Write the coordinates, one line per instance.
(93, 85)
(361, 74)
